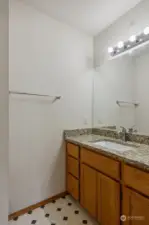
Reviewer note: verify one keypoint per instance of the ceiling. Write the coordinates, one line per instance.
(90, 16)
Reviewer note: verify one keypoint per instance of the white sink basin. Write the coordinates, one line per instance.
(114, 146)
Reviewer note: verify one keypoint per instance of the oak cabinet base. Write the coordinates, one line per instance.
(135, 208)
(101, 184)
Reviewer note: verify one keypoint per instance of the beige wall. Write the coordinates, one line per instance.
(3, 112)
(46, 57)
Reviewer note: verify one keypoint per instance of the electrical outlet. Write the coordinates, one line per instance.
(99, 121)
(85, 121)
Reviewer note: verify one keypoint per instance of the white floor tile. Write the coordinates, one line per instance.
(64, 211)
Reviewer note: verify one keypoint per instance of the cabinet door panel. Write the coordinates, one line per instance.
(73, 166)
(108, 201)
(73, 150)
(126, 205)
(88, 189)
(136, 208)
(73, 186)
(101, 163)
(137, 179)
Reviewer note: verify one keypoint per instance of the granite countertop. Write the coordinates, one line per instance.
(138, 155)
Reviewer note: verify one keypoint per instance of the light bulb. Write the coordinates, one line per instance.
(132, 38)
(120, 44)
(110, 49)
(146, 31)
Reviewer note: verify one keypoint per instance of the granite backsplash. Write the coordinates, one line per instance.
(133, 137)
(77, 132)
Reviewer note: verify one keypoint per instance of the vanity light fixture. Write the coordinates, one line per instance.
(120, 44)
(110, 49)
(146, 31)
(133, 42)
(132, 38)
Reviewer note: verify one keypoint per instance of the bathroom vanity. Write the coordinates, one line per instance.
(108, 183)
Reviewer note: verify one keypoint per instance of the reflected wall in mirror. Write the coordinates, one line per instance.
(125, 78)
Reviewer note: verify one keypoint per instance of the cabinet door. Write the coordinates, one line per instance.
(108, 195)
(73, 186)
(135, 208)
(88, 189)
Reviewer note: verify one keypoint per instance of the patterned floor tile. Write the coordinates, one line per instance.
(63, 211)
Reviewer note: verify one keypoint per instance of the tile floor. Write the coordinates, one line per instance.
(64, 211)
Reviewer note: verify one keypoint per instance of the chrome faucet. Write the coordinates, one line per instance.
(123, 134)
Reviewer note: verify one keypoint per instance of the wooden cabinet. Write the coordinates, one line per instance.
(88, 189)
(72, 170)
(101, 163)
(73, 166)
(137, 179)
(108, 197)
(100, 195)
(73, 186)
(73, 150)
(135, 207)
(99, 182)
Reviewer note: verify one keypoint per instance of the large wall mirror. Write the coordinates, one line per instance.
(125, 78)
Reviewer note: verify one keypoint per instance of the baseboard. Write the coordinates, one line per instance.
(35, 206)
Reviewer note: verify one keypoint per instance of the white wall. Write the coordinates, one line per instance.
(132, 22)
(141, 65)
(46, 57)
(4, 112)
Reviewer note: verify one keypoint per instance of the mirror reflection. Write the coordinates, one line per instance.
(121, 90)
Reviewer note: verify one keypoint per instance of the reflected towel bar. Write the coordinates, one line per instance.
(123, 102)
